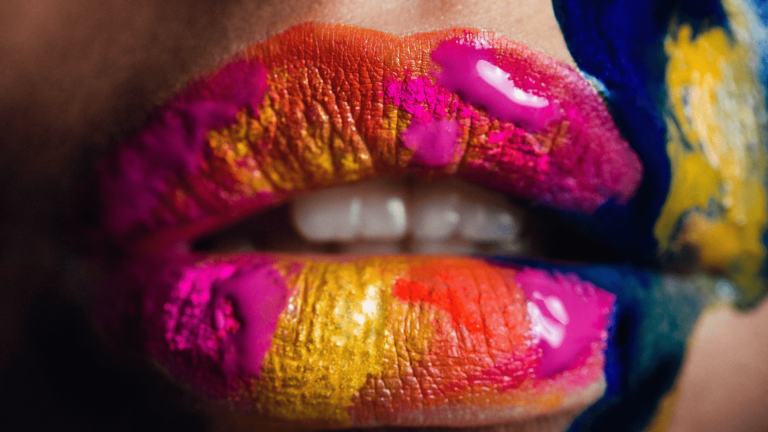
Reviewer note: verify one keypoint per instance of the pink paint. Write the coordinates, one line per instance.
(434, 143)
(568, 316)
(172, 143)
(246, 309)
(576, 168)
(471, 72)
(210, 322)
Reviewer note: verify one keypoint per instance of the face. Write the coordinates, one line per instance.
(612, 201)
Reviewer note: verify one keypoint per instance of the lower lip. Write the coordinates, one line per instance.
(363, 341)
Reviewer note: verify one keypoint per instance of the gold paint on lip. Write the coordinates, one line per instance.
(328, 341)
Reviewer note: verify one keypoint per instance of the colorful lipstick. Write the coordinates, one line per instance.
(342, 341)
(371, 341)
(344, 105)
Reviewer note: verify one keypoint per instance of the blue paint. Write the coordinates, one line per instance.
(620, 43)
(654, 317)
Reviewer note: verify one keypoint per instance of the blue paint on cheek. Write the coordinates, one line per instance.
(620, 43)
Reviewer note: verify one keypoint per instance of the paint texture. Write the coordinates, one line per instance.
(364, 341)
(134, 180)
(246, 306)
(345, 104)
(717, 203)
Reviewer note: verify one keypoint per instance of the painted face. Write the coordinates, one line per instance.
(339, 227)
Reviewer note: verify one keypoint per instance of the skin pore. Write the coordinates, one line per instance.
(79, 75)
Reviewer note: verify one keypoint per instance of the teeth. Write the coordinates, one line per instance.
(328, 215)
(435, 211)
(384, 215)
(483, 222)
(439, 217)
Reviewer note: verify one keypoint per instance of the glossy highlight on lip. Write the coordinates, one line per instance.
(469, 71)
(328, 118)
(364, 341)
(344, 341)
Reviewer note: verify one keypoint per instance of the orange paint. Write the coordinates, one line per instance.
(445, 297)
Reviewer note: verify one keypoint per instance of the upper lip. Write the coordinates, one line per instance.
(359, 90)
(330, 110)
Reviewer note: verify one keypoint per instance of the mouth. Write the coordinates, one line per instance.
(322, 231)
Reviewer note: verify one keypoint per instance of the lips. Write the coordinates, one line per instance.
(339, 340)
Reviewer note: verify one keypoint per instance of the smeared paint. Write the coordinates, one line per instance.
(717, 204)
(136, 177)
(222, 315)
(469, 70)
(246, 308)
(568, 316)
(359, 341)
(434, 144)
(321, 125)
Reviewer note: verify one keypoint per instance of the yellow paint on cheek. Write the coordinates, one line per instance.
(716, 146)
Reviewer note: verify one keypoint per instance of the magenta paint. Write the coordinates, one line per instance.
(209, 322)
(434, 143)
(567, 315)
(470, 71)
(136, 176)
(247, 306)
(420, 97)
(578, 174)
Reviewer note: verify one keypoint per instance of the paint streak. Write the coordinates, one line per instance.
(569, 317)
(716, 144)
(469, 70)
(136, 177)
(434, 144)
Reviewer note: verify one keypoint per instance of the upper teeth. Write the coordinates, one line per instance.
(450, 214)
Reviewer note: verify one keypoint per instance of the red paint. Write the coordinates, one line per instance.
(361, 87)
(446, 297)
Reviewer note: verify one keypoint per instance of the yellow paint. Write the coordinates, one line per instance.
(662, 420)
(716, 146)
(295, 143)
(329, 340)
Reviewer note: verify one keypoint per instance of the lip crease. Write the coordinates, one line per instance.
(362, 341)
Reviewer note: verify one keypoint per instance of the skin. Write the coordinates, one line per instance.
(78, 75)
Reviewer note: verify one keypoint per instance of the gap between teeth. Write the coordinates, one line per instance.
(418, 216)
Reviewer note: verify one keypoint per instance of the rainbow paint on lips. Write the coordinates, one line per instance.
(342, 341)
(345, 105)
(366, 341)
